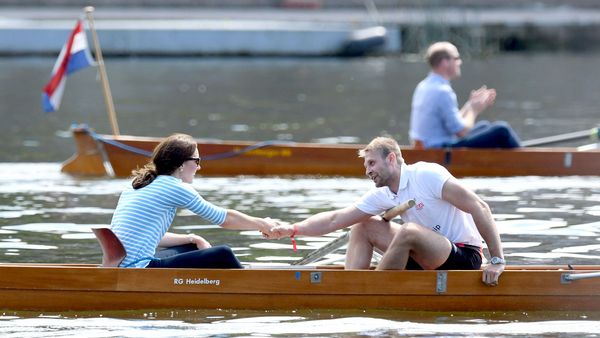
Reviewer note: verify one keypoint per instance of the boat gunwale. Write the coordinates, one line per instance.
(73, 287)
(514, 267)
(311, 145)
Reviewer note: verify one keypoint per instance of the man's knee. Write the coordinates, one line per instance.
(503, 131)
(500, 127)
(372, 230)
(366, 226)
(360, 230)
(407, 235)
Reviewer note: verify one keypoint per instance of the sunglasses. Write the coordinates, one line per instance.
(195, 159)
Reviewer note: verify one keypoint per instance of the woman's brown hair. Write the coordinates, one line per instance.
(166, 158)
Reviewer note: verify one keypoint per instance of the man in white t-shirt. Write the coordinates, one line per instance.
(445, 230)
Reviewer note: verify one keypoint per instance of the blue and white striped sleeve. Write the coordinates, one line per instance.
(204, 209)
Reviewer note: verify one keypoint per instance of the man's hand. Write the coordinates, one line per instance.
(491, 273)
(284, 230)
(268, 224)
(482, 98)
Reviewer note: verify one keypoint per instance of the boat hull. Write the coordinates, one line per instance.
(64, 287)
(122, 154)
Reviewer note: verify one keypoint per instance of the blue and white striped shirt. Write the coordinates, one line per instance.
(143, 216)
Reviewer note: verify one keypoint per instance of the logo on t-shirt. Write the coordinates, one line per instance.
(437, 228)
(420, 206)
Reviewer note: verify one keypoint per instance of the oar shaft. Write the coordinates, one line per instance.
(576, 135)
(578, 276)
(324, 250)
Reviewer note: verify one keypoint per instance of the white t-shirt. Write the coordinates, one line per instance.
(423, 182)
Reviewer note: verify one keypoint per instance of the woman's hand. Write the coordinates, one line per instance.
(267, 225)
(200, 242)
(281, 231)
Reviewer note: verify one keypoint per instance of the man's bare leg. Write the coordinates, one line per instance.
(425, 246)
(364, 237)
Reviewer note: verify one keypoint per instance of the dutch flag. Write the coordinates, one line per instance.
(75, 55)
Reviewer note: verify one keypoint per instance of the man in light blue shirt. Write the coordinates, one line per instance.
(435, 119)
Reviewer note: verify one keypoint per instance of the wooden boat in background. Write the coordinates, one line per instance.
(46, 287)
(101, 155)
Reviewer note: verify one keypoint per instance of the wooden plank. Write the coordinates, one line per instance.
(517, 162)
(293, 159)
(44, 300)
(344, 282)
(89, 288)
(57, 278)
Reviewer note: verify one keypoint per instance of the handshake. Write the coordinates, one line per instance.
(273, 229)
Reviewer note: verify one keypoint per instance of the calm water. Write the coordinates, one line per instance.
(291, 99)
(46, 216)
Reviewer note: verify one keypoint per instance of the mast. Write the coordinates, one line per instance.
(108, 100)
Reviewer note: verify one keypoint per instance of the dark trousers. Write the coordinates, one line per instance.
(489, 135)
(189, 256)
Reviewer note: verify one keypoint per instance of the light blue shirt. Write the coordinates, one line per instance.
(143, 216)
(434, 117)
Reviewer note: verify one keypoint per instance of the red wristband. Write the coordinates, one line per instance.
(293, 239)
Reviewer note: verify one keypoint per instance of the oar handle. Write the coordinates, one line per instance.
(397, 210)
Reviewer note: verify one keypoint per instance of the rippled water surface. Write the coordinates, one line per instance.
(46, 217)
(303, 324)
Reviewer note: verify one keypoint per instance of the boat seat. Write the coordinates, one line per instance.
(418, 144)
(113, 251)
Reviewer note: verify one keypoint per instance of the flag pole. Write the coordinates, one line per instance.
(108, 100)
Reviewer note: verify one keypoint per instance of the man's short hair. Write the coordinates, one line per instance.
(384, 146)
(439, 51)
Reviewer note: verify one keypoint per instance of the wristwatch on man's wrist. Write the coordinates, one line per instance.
(497, 260)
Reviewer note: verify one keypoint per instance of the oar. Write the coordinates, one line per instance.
(342, 240)
(593, 133)
(397, 210)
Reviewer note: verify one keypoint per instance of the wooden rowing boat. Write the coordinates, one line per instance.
(86, 287)
(101, 155)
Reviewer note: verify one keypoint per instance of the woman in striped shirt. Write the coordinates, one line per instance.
(145, 212)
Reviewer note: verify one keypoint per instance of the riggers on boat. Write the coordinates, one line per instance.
(56, 287)
(108, 155)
